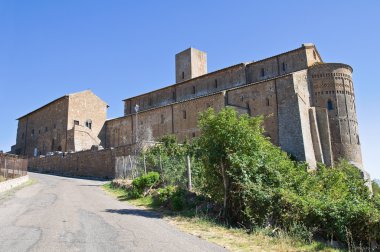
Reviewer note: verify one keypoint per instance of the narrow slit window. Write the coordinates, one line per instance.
(315, 55)
(89, 124)
(183, 75)
(283, 66)
(267, 102)
(184, 114)
(193, 89)
(162, 119)
(216, 84)
(262, 72)
(330, 105)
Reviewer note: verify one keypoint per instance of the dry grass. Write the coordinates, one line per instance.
(235, 239)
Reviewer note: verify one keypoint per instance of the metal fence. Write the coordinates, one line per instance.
(12, 166)
(173, 171)
(127, 167)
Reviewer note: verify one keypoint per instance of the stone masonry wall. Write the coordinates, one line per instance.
(100, 164)
(44, 129)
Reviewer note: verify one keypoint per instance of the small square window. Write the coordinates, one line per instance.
(76, 122)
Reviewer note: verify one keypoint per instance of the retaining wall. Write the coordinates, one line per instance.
(91, 163)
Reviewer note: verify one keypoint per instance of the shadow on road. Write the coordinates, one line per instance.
(136, 212)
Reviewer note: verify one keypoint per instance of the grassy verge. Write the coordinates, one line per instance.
(234, 239)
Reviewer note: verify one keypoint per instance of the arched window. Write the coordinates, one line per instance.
(330, 105)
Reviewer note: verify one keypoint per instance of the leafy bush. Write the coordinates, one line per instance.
(140, 184)
(164, 194)
(174, 198)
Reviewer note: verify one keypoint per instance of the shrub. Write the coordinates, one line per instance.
(140, 184)
(172, 197)
(164, 194)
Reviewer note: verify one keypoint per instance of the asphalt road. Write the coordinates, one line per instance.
(69, 214)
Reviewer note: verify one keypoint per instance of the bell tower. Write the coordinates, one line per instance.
(189, 64)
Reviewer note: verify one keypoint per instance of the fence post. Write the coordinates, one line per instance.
(189, 184)
(162, 172)
(131, 166)
(144, 164)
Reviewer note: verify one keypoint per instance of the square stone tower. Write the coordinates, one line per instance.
(189, 64)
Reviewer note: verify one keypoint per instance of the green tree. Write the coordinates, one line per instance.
(375, 188)
(238, 159)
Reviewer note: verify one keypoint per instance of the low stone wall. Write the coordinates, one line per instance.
(91, 163)
(11, 183)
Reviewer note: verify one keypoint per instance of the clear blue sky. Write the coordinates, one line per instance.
(121, 48)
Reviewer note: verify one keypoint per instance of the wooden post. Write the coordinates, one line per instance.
(130, 163)
(144, 164)
(189, 184)
(162, 173)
